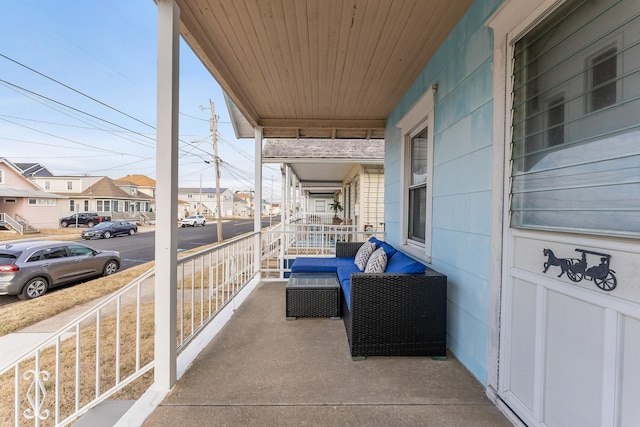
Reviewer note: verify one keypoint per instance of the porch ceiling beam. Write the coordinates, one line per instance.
(323, 124)
(327, 160)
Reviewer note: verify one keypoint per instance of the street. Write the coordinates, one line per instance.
(139, 248)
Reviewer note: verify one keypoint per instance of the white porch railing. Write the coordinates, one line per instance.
(325, 218)
(282, 244)
(7, 219)
(109, 349)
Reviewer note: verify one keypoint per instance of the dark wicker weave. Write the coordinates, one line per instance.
(397, 314)
(313, 301)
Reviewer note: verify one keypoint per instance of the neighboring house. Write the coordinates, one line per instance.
(66, 185)
(31, 170)
(142, 183)
(107, 198)
(318, 171)
(203, 201)
(24, 202)
(242, 204)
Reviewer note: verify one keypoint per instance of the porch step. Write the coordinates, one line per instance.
(106, 414)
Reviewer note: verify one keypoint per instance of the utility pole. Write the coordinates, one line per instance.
(214, 131)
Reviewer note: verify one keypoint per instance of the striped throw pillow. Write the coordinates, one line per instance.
(377, 262)
(363, 254)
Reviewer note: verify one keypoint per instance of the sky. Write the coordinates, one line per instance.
(78, 95)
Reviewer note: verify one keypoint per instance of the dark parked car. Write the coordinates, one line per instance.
(108, 229)
(29, 268)
(84, 218)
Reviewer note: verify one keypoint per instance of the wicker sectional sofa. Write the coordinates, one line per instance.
(400, 312)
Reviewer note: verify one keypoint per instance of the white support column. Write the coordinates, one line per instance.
(287, 194)
(294, 199)
(257, 199)
(166, 246)
(257, 221)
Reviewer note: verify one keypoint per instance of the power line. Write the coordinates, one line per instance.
(75, 90)
(73, 108)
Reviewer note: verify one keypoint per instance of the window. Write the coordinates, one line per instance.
(575, 157)
(72, 207)
(69, 185)
(99, 206)
(47, 185)
(1, 176)
(42, 202)
(602, 79)
(86, 206)
(418, 186)
(555, 121)
(417, 171)
(79, 250)
(107, 205)
(115, 205)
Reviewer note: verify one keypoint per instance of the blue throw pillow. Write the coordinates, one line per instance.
(400, 263)
(388, 249)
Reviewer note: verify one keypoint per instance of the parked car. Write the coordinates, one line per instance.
(108, 229)
(193, 220)
(84, 218)
(29, 268)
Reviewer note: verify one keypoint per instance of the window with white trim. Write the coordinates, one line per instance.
(41, 202)
(1, 176)
(417, 172)
(69, 185)
(47, 185)
(576, 104)
(72, 206)
(417, 186)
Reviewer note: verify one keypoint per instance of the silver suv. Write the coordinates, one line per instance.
(29, 268)
(193, 220)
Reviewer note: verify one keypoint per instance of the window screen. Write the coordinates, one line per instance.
(576, 120)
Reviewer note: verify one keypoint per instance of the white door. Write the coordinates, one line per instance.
(570, 314)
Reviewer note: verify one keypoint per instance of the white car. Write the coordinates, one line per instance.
(193, 220)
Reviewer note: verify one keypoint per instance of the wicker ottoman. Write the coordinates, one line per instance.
(313, 295)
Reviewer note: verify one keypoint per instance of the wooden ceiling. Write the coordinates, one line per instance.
(316, 68)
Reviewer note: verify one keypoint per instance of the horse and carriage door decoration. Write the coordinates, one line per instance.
(576, 269)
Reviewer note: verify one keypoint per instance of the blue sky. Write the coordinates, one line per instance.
(106, 50)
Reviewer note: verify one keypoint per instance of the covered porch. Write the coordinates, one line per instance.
(264, 370)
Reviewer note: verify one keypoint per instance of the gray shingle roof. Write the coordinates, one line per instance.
(324, 148)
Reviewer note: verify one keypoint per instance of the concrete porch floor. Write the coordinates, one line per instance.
(262, 370)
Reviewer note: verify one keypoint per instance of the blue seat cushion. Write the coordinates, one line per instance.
(344, 277)
(388, 249)
(400, 263)
(319, 265)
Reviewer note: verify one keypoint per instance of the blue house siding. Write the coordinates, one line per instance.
(463, 129)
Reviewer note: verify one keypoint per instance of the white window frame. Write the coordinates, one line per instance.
(420, 116)
(1, 176)
(47, 185)
(69, 185)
